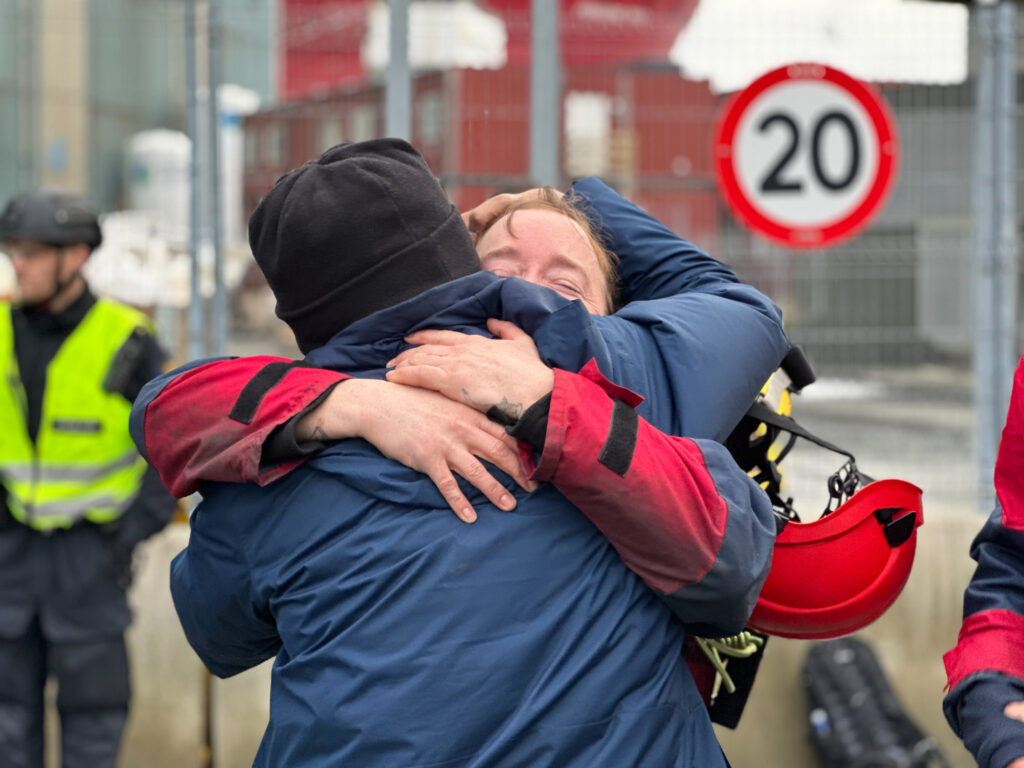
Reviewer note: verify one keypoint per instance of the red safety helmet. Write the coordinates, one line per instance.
(836, 574)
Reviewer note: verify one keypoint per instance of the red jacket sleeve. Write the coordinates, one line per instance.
(1009, 470)
(209, 423)
(680, 512)
(985, 670)
(992, 635)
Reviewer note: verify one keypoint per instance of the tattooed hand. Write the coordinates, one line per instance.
(504, 373)
(424, 431)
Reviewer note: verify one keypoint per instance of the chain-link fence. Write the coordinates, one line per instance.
(94, 97)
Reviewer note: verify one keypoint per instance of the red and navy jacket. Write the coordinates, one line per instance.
(663, 502)
(986, 668)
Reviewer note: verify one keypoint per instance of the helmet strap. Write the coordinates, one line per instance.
(59, 284)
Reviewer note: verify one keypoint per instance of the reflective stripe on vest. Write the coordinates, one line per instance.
(83, 464)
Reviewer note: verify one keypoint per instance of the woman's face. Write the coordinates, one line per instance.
(550, 250)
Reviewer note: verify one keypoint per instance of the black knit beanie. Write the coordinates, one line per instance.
(363, 228)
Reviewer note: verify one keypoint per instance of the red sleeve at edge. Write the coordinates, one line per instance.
(989, 641)
(1009, 470)
(190, 438)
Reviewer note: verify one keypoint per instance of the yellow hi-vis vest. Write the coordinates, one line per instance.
(83, 465)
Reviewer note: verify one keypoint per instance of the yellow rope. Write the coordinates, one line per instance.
(739, 646)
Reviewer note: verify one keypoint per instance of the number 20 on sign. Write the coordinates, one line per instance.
(806, 155)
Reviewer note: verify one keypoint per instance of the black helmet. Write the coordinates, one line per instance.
(51, 217)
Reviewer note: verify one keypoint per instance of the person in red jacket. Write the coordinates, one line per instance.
(985, 703)
(284, 403)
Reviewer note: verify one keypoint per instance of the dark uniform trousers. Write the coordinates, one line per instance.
(63, 611)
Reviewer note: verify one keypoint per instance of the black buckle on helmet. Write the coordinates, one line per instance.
(897, 529)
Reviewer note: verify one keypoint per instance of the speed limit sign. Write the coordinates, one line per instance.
(806, 155)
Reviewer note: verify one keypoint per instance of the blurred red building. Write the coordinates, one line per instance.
(628, 115)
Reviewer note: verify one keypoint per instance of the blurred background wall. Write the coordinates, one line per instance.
(95, 96)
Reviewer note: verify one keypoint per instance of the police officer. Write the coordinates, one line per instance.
(77, 496)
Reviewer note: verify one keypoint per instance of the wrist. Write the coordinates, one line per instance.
(537, 386)
(341, 414)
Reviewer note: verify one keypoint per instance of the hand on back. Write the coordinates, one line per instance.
(424, 431)
(505, 372)
(478, 218)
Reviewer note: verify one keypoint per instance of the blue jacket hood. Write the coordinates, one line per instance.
(461, 305)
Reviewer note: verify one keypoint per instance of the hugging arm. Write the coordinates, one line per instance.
(426, 432)
(985, 703)
(696, 342)
(681, 513)
(209, 420)
(255, 419)
(655, 262)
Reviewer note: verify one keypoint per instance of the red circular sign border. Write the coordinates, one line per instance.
(803, 236)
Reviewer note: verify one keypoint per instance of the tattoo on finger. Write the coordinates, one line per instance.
(468, 399)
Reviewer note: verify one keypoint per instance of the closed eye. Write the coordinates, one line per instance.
(564, 287)
(502, 262)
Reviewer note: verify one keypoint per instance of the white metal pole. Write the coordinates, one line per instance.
(398, 120)
(195, 306)
(213, 37)
(545, 93)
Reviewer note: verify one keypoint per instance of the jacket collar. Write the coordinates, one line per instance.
(461, 305)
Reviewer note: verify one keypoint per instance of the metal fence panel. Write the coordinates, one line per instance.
(887, 318)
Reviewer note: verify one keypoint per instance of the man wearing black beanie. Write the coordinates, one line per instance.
(404, 638)
(363, 228)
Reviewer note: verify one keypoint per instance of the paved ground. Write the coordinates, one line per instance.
(916, 424)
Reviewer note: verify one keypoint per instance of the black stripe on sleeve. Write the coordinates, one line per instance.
(617, 452)
(252, 394)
